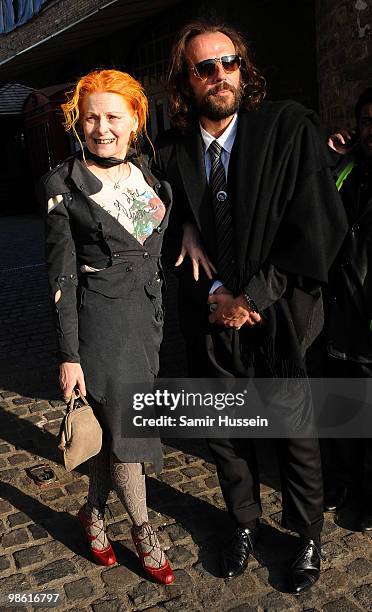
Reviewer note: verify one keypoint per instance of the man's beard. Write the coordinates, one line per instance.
(217, 107)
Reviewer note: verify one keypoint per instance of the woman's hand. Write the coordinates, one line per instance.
(342, 142)
(70, 377)
(191, 246)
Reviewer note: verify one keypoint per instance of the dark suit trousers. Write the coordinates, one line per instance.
(299, 458)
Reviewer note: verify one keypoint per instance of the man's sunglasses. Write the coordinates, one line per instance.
(205, 69)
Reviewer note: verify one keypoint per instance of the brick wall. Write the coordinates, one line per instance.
(54, 17)
(344, 50)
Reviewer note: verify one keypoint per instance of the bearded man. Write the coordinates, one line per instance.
(253, 177)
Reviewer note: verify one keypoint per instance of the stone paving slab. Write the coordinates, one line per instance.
(41, 544)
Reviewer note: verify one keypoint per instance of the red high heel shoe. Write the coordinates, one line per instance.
(163, 574)
(102, 556)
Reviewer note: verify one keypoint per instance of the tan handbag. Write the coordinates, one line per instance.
(80, 434)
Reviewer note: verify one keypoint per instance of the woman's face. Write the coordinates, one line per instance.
(108, 122)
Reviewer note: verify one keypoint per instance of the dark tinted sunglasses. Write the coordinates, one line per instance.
(206, 68)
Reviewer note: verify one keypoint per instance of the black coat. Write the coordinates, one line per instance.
(350, 304)
(287, 216)
(111, 320)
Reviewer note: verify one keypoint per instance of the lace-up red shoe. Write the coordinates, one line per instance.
(102, 556)
(164, 573)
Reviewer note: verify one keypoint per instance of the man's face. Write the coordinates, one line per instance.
(219, 95)
(365, 130)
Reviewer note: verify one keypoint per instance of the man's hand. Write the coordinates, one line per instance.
(71, 376)
(342, 142)
(230, 311)
(191, 246)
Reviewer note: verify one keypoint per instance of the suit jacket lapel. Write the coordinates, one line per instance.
(190, 159)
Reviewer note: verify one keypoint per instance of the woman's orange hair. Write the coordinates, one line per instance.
(113, 81)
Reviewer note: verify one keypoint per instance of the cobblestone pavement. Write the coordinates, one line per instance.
(41, 542)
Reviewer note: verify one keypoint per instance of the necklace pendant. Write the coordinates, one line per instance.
(117, 185)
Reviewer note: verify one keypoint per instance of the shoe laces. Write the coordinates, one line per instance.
(101, 508)
(97, 522)
(236, 540)
(306, 551)
(145, 536)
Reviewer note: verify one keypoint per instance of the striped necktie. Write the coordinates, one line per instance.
(222, 216)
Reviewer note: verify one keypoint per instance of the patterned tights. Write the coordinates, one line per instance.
(128, 480)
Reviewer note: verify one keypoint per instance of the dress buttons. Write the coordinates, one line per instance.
(129, 269)
(159, 316)
(146, 255)
(159, 230)
(116, 255)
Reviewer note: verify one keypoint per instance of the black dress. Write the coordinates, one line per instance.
(110, 321)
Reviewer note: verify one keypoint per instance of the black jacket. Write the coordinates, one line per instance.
(109, 320)
(350, 304)
(76, 236)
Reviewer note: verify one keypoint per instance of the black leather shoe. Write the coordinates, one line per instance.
(236, 555)
(305, 569)
(366, 521)
(335, 498)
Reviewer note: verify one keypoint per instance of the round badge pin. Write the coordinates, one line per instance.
(221, 196)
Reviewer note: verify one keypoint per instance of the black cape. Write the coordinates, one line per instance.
(287, 213)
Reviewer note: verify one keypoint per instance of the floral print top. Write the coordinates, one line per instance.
(133, 203)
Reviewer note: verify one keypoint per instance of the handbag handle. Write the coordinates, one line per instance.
(75, 396)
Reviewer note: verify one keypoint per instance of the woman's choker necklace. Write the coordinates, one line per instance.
(104, 162)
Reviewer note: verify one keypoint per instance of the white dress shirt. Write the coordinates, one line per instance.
(226, 142)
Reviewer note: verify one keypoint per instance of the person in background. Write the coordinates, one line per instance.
(349, 328)
(254, 177)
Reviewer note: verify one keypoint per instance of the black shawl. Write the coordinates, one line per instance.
(286, 208)
(287, 212)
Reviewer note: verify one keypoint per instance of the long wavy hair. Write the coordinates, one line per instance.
(113, 81)
(181, 107)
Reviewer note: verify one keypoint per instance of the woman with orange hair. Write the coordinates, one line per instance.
(105, 222)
